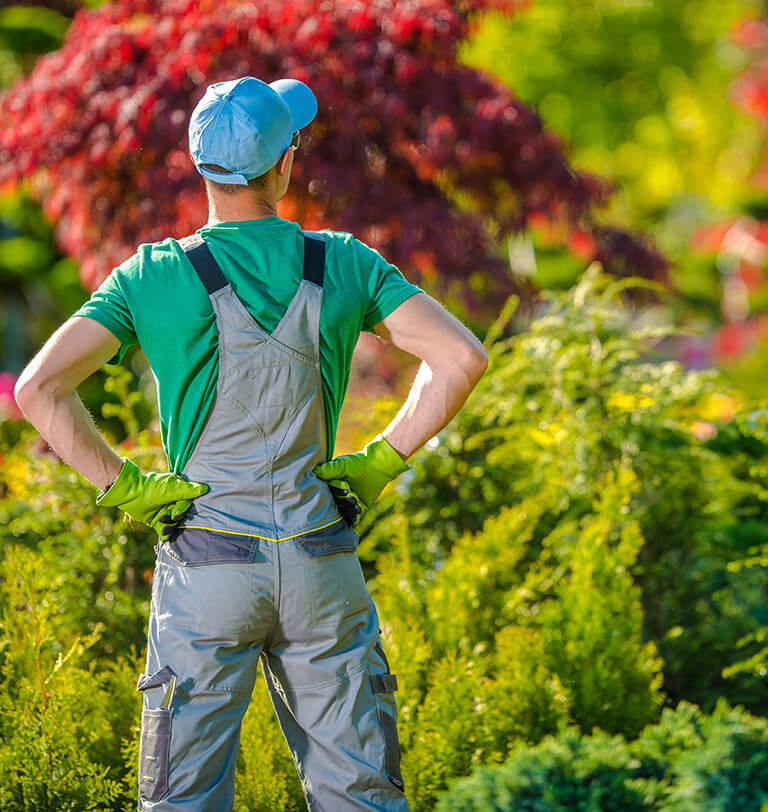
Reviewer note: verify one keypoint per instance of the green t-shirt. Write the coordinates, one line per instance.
(156, 299)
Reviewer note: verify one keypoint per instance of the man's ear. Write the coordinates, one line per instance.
(284, 162)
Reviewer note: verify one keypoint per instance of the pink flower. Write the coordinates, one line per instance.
(704, 430)
(9, 409)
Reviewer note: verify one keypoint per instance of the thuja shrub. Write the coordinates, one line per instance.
(686, 763)
(576, 396)
(593, 626)
(475, 709)
(516, 635)
(63, 719)
(574, 585)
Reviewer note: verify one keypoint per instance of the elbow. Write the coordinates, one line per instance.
(474, 361)
(466, 363)
(25, 392)
(29, 392)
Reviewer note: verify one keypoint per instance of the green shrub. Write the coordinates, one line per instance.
(593, 627)
(687, 762)
(575, 398)
(96, 563)
(568, 528)
(567, 774)
(62, 719)
(524, 637)
(723, 766)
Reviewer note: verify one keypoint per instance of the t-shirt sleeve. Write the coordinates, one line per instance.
(387, 287)
(109, 307)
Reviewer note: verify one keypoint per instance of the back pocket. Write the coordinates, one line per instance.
(336, 586)
(195, 547)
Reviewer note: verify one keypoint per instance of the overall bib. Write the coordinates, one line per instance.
(265, 568)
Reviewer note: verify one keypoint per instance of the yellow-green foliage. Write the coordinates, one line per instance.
(594, 626)
(564, 406)
(466, 602)
(62, 719)
(266, 778)
(524, 637)
(568, 527)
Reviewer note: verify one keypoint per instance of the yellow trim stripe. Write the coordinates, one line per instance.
(254, 535)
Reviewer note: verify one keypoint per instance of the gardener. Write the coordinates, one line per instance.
(249, 327)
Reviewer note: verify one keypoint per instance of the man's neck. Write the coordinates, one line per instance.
(231, 210)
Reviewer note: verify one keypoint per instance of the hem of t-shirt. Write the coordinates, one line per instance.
(382, 312)
(125, 340)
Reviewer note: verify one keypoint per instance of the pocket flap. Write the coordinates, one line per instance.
(384, 683)
(161, 677)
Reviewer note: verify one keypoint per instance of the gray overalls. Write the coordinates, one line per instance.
(265, 567)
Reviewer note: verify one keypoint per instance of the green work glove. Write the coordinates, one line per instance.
(356, 480)
(158, 500)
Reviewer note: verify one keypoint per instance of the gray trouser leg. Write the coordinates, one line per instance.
(197, 629)
(325, 677)
(311, 619)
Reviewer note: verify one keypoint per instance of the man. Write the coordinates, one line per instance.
(249, 327)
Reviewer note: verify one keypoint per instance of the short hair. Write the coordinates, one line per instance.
(257, 184)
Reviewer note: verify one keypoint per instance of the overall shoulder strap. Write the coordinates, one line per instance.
(199, 254)
(314, 257)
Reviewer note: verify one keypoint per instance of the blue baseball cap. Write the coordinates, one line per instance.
(245, 125)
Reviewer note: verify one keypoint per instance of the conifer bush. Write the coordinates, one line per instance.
(584, 392)
(688, 762)
(63, 719)
(593, 539)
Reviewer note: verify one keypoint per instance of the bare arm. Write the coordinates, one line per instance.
(453, 361)
(46, 395)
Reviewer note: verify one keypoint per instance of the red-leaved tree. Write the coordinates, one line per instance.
(403, 132)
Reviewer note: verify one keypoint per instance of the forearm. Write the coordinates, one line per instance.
(67, 426)
(435, 397)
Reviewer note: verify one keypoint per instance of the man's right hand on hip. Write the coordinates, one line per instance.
(356, 480)
(159, 500)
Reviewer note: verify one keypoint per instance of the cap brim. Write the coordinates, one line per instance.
(300, 100)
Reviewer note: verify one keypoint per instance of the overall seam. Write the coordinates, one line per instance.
(272, 337)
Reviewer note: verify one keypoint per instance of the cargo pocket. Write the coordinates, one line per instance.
(155, 742)
(384, 685)
(153, 753)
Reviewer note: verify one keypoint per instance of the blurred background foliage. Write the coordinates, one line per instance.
(640, 91)
(39, 288)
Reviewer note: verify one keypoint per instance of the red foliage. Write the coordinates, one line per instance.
(733, 339)
(101, 126)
